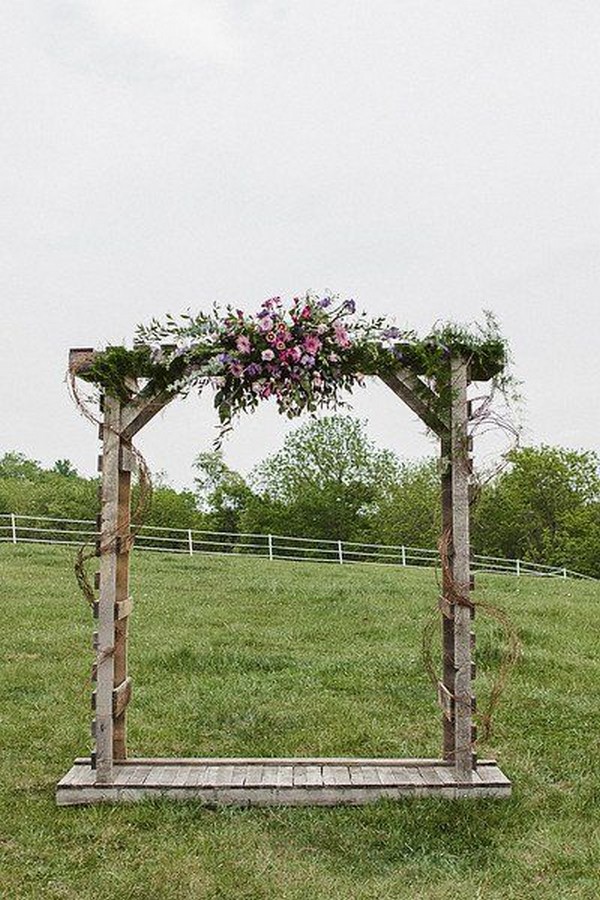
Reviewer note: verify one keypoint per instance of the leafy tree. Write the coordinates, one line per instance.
(326, 482)
(536, 507)
(221, 492)
(173, 509)
(410, 512)
(17, 465)
(64, 467)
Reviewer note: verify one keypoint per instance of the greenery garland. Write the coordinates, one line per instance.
(305, 356)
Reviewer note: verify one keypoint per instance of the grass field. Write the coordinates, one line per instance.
(235, 656)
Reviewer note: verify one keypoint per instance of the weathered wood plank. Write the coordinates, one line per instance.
(121, 697)
(279, 761)
(254, 775)
(335, 775)
(122, 598)
(448, 732)
(463, 751)
(222, 785)
(285, 776)
(446, 701)
(446, 608)
(123, 608)
(105, 662)
(141, 409)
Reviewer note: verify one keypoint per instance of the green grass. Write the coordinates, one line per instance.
(235, 656)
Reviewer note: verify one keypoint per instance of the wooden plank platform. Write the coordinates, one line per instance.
(278, 782)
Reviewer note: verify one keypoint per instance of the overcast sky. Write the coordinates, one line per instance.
(428, 158)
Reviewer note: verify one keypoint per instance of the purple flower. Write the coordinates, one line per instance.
(391, 334)
(253, 369)
(350, 305)
(243, 344)
(325, 302)
(267, 355)
(224, 357)
(308, 360)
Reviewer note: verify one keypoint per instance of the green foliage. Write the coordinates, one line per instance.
(409, 514)
(29, 490)
(536, 510)
(326, 481)
(220, 492)
(17, 465)
(173, 509)
(64, 467)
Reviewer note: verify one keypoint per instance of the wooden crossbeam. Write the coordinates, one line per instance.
(141, 409)
(418, 397)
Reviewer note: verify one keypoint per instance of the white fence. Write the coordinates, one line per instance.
(45, 530)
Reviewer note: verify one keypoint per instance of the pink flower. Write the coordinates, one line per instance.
(341, 335)
(295, 353)
(280, 345)
(266, 324)
(306, 312)
(333, 357)
(267, 355)
(271, 337)
(236, 369)
(243, 344)
(312, 344)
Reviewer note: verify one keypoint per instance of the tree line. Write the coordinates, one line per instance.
(330, 481)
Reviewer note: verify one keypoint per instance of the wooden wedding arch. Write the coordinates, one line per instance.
(110, 775)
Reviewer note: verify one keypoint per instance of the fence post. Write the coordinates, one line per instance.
(190, 542)
(564, 573)
(270, 536)
(340, 552)
(403, 551)
(518, 562)
(13, 523)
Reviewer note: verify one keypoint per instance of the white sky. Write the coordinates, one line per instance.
(427, 158)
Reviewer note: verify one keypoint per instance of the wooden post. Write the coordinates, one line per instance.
(123, 549)
(463, 736)
(109, 577)
(448, 670)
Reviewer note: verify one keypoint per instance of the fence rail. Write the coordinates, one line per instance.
(16, 529)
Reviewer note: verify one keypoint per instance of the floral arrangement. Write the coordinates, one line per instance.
(304, 356)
